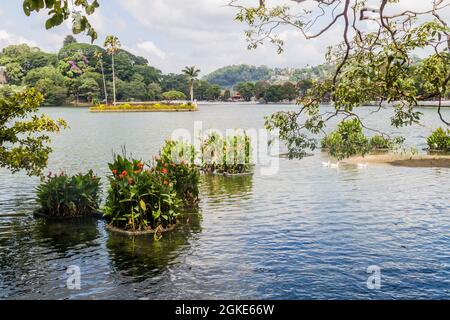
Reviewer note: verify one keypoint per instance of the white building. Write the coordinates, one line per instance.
(3, 75)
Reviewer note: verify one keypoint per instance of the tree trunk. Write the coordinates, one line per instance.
(104, 83)
(192, 91)
(114, 81)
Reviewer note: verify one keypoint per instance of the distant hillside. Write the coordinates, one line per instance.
(229, 76)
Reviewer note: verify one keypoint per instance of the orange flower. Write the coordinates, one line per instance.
(166, 182)
(124, 173)
(114, 172)
(164, 171)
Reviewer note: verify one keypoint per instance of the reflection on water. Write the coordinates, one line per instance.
(61, 236)
(142, 257)
(217, 186)
(306, 232)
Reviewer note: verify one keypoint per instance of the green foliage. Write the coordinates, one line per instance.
(231, 75)
(368, 65)
(14, 73)
(246, 90)
(176, 159)
(23, 134)
(60, 10)
(138, 107)
(139, 199)
(230, 155)
(173, 95)
(69, 196)
(439, 140)
(69, 39)
(380, 142)
(348, 140)
(154, 91)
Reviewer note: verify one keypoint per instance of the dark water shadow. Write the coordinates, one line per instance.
(141, 257)
(61, 236)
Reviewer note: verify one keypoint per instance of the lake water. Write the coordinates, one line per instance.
(307, 232)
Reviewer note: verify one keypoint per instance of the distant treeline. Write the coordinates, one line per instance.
(74, 74)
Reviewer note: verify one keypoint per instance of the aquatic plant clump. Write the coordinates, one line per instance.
(349, 140)
(138, 199)
(177, 161)
(230, 155)
(69, 196)
(439, 140)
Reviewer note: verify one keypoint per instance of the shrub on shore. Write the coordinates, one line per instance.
(140, 199)
(439, 140)
(69, 196)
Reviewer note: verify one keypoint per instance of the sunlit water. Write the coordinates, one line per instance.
(306, 232)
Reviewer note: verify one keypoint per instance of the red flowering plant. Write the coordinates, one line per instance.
(176, 161)
(139, 199)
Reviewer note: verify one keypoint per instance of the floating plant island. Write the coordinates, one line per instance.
(146, 107)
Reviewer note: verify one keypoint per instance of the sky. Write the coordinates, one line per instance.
(171, 34)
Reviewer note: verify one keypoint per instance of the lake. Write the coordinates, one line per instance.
(306, 232)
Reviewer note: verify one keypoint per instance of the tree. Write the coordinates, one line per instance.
(154, 91)
(192, 74)
(112, 45)
(290, 92)
(88, 89)
(178, 82)
(373, 64)
(99, 57)
(14, 73)
(69, 40)
(23, 134)
(274, 93)
(173, 95)
(213, 92)
(226, 95)
(246, 90)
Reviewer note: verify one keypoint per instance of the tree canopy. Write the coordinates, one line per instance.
(371, 64)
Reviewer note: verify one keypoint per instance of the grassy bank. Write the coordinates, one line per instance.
(154, 107)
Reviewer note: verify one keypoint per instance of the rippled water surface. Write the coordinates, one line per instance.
(305, 232)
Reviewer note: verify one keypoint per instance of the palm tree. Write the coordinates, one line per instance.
(112, 45)
(192, 74)
(99, 56)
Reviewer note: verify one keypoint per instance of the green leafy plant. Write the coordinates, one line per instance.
(231, 155)
(439, 140)
(176, 159)
(69, 196)
(347, 140)
(380, 142)
(140, 199)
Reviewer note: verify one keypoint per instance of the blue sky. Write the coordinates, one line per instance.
(169, 33)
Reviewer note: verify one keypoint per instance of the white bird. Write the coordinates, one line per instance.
(362, 165)
(326, 164)
(334, 165)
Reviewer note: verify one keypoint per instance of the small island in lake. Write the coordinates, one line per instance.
(146, 107)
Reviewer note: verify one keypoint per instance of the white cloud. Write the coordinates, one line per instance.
(7, 38)
(149, 48)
